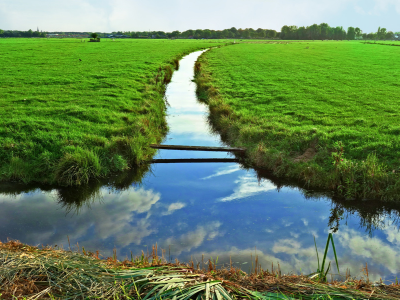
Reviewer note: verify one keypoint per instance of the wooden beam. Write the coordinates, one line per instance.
(194, 160)
(197, 148)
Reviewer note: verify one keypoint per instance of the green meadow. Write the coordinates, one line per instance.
(325, 112)
(73, 110)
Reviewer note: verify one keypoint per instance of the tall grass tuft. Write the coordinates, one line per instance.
(176, 63)
(321, 274)
(167, 74)
(78, 166)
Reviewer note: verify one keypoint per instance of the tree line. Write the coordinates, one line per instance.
(324, 32)
(314, 32)
(248, 33)
(17, 33)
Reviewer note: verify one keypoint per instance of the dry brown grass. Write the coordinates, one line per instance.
(27, 271)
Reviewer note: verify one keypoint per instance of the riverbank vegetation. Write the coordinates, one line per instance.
(71, 111)
(50, 272)
(324, 113)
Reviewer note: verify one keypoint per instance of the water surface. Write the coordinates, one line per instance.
(210, 209)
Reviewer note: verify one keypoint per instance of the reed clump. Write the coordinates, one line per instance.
(54, 273)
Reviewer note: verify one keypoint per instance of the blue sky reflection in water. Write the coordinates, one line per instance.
(216, 209)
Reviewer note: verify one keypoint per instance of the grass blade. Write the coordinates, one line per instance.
(316, 250)
(325, 253)
(334, 252)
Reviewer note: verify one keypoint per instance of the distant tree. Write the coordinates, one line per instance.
(325, 30)
(381, 33)
(199, 33)
(252, 32)
(302, 33)
(206, 33)
(314, 32)
(270, 33)
(260, 33)
(216, 34)
(285, 32)
(226, 33)
(175, 34)
(234, 31)
(358, 32)
(351, 33)
(389, 35)
(339, 33)
(1, 32)
(364, 36)
(187, 33)
(94, 35)
(246, 33)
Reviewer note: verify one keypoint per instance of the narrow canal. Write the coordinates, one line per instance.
(212, 209)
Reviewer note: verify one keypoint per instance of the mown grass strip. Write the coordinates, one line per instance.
(323, 113)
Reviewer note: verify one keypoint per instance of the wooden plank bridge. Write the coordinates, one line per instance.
(194, 160)
(197, 148)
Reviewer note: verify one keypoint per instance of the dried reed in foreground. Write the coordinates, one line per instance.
(31, 273)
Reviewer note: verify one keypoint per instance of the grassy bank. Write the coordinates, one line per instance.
(31, 273)
(323, 113)
(71, 110)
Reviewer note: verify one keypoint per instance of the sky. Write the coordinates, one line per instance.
(139, 15)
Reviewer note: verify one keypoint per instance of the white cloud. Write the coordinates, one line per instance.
(393, 234)
(248, 185)
(135, 15)
(112, 218)
(294, 234)
(287, 223)
(384, 5)
(73, 15)
(193, 239)
(359, 10)
(224, 171)
(292, 246)
(313, 233)
(374, 248)
(173, 207)
(242, 258)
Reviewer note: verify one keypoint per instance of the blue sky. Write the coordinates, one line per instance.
(139, 15)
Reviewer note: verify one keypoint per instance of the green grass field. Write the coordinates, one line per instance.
(326, 113)
(72, 110)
